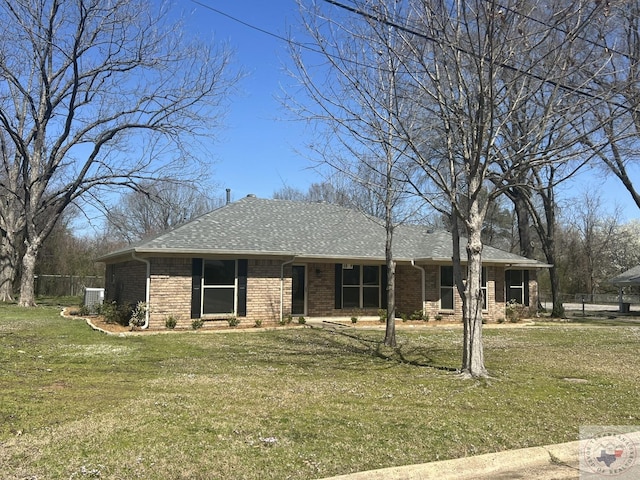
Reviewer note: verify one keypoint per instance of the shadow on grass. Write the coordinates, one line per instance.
(403, 354)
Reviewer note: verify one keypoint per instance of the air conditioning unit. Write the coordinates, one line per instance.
(93, 297)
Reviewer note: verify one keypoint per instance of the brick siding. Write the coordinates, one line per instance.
(171, 291)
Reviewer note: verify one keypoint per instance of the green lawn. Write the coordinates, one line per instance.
(299, 403)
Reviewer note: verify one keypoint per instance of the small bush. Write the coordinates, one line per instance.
(438, 318)
(83, 310)
(288, 319)
(404, 317)
(233, 321)
(170, 322)
(114, 313)
(501, 320)
(197, 324)
(515, 311)
(354, 320)
(301, 320)
(138, 315)
(417, 315)
(258, 323)
(382, 314)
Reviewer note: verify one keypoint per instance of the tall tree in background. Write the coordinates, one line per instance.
(94, 95)
(156, 207)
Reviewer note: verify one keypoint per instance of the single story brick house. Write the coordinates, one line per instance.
(257, 259)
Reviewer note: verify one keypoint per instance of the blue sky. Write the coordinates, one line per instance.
(261, 149)
(256, 152)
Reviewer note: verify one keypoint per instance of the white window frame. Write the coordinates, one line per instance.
(233, 286)
(484, 282)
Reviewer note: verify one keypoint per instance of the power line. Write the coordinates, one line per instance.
(419, 34)
(242, 22)
(288, 41)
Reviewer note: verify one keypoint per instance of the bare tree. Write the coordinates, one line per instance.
(461, 72)
(11, 217)
(95, 95)
(594, 231)
(357, 97)
(156, 207)
(615, 75)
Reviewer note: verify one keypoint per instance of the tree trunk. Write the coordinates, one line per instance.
(524, 221)
(390, 332)
(27, 280)
(557, 310)
(473, 349)
(8, 259)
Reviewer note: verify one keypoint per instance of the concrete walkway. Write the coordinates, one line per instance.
(553, 462)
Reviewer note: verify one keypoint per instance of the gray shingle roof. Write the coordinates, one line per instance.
(630, 277)
(253, 226)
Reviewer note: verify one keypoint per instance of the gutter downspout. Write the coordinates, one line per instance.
(282, 286)
(147, 288)
(424, 294)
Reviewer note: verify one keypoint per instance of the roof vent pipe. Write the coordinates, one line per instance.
(228, 196)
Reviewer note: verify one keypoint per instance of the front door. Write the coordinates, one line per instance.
(298, 290)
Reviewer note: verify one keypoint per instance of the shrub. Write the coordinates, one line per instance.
(501, 320)
(83, 310)
(438, 318)
(114, 313)
(354, 320)
(197, 324)
(417, 315)
(170, 322)
(288, 319)
(301, 320)
(258, 323)
(404, 317)
(138, 315)
(515, 311)
(233, 321)
(382, 314)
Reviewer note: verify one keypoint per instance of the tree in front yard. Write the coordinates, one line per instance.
(97, 95)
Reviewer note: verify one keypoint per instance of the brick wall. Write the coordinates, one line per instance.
(263, 291)
(171, 291)
(408, 290)
(125, 282)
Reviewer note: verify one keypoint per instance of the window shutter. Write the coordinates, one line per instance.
(338, 286)
(526, 286)
(243, 267)
(384, 300)
(196, 287)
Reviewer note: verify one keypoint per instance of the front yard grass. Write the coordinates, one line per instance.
(300, 403)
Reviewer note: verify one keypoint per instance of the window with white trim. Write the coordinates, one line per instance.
(483, 289)
(517, 286)
(219, 287)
